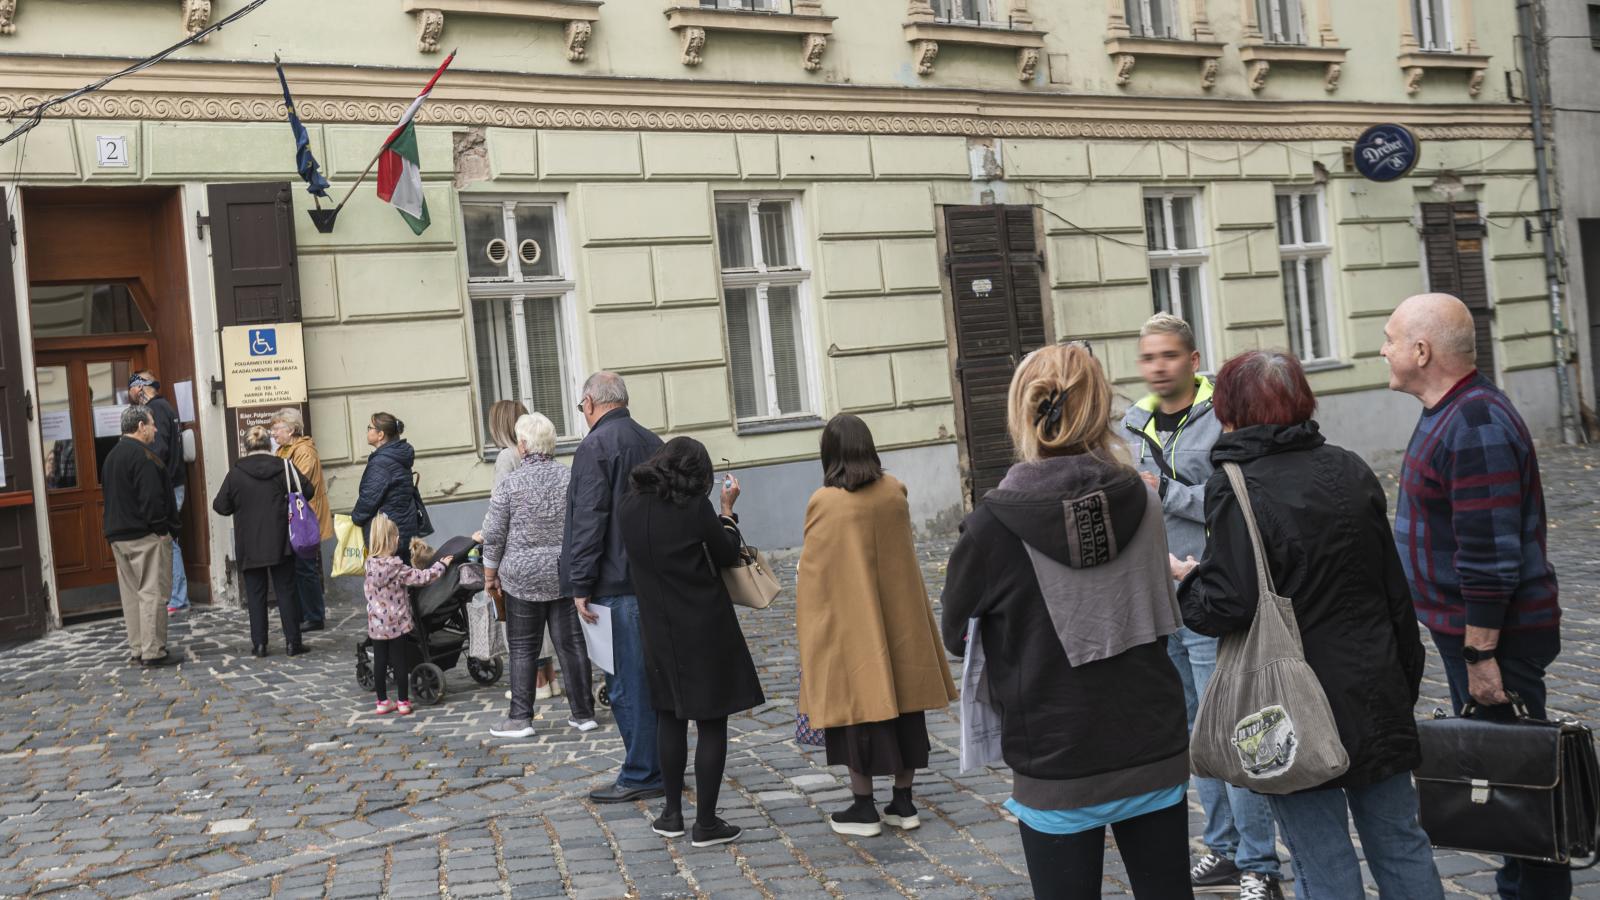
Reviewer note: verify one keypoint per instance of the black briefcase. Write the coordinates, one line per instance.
(1529, 788)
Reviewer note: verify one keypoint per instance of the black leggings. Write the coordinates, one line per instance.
(401, 662)
(710, 756)
(1154, 848)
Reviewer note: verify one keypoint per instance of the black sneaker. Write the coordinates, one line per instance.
(166, 659)
(1256, 886)
(719, 832)
(1214, 874)
(669, 825)
(901, 813)
(860, 820)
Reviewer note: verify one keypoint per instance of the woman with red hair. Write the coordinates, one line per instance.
(1328, 545)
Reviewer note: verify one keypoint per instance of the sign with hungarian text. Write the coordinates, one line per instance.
(1386, 152)
(264, 365)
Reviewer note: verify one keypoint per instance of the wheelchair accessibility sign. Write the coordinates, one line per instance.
(264, 365)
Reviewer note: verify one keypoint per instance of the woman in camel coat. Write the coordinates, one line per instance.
(870, 655)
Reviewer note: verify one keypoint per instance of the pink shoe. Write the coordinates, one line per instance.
(404, 709)
(384, 707)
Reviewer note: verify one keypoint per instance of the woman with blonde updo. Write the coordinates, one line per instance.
(1061, 577)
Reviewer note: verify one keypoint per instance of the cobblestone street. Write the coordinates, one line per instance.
(240, 777)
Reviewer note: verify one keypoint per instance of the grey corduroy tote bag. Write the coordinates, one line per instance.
(1265, 723)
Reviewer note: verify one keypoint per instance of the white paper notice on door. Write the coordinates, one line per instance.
(55, 425)
(183, 393)
(108, 420)
(2, 457)
(980, 721)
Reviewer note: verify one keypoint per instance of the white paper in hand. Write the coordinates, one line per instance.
(598, 637)
(980, 722)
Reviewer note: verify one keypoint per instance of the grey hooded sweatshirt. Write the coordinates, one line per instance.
(1184, 463)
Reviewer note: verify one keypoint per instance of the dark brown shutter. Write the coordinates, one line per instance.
(254, 267)
(996, 289)
(1453, 236)
(23, 607)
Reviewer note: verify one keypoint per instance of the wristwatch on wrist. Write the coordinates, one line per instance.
(1476, 655)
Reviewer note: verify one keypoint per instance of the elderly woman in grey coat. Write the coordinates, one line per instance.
(521, 547)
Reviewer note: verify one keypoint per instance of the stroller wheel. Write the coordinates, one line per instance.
(484, 671)
(604, 697)
(364, 674)
(427, 684)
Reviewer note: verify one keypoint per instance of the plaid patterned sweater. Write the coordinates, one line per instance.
(1470, 523)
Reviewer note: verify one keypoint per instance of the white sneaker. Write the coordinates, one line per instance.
(508, 695)
(543, 693)
(513, 728)
(585, 725)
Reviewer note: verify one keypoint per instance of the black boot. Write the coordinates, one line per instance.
(860, 820)
(900, 812)
(259, 650)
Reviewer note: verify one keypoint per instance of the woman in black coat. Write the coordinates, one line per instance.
(256, 494)
(695, 656)
(386, 482)
(1329, 547)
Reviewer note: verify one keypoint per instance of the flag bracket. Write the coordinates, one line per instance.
(201, 223)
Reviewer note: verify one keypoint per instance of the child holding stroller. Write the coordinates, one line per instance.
(389, 610)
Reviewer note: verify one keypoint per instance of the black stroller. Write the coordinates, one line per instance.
(439, 636)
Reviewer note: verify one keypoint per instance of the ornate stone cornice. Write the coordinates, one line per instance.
(244, 92)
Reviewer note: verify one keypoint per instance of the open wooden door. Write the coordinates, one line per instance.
(256, 273)
(24, 608)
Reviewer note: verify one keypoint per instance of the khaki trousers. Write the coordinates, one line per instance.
(144, 578)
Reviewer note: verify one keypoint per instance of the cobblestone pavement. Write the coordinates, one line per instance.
(239, 777)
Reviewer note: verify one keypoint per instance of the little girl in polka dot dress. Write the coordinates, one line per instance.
(389, 611)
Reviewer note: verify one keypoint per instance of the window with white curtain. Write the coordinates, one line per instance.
(1153, 18)
(967, 12)
(1280, 21)
(1430, 20)
(1178, 260)
(1303, 248)
(522, 307)
(757, 5)
(764, 285)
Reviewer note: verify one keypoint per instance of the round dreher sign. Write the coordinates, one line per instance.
(1386, 152)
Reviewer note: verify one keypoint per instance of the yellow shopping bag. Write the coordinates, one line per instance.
(351, 556)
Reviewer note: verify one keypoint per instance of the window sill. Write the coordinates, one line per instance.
(775, 426)
(1417, 63)
(693, 23)
(579, 17)
(1259, 58)
(1326, 365)
(1128, 50)
(925, 38)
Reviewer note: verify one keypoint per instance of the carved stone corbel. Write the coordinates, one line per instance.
(430, 27)
(1414, 79)
(1027, 63)
(1475, 83)
(8, 16)
(1209, 67)
(811, 51)
(578, 34)
(1258, 73)
(1125, 63)
(694, 43)
(1331, 81)
(925, 52)
(196, 16)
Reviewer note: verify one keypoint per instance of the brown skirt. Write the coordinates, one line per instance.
(880, 748)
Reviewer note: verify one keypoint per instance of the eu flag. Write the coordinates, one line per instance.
(305, 163)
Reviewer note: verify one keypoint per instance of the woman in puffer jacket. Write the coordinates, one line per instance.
(1061, 574)
(386, 482)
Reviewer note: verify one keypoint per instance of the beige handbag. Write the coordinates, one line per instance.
(751, 582)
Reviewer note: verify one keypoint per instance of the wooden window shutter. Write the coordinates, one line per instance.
(23, 605)
(1453, 238)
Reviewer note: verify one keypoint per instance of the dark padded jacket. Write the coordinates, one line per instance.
(386, 488)
(1323, 520)
(256, 495)
(594, 562)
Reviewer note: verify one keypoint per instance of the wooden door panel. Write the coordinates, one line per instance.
(24, 608)
(68, 547)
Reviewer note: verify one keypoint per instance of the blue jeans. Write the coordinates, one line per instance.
(179, 598)
(1238, 821)
(1316, 826)
(308, 587)
(630, 696)
(1518, 879)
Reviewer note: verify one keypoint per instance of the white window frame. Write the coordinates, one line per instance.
(1137, 15)
(760, 277)
(514, 289)
(1199, 259)
(960, 12)
(1284, 22)
(748, 5)
(1305, 254)
(1429, 31)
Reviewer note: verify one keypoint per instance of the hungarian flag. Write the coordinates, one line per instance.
(399, 169)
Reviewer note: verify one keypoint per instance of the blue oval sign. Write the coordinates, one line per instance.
(1386, 152)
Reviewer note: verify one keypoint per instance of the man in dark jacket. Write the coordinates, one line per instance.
(168, 447)
(141, 519)
(594, 568)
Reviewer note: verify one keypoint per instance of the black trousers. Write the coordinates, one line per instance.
(281, 577)
(525, 624)
(392, 654)
(1154, 848)
(710, 758)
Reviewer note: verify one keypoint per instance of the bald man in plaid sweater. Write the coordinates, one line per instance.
(1470, 525)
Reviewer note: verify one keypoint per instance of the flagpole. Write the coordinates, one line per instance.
(390, 140)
